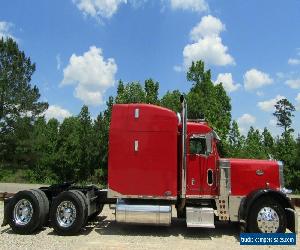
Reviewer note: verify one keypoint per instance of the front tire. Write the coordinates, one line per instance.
(266, 216)
(68, 213)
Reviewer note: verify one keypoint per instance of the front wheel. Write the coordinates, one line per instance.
(266, 216)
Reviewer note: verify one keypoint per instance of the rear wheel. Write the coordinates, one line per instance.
(26, 212)
(267, 216)
(68, 213)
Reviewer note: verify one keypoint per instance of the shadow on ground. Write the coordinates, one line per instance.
(103, 226)
(178, 228)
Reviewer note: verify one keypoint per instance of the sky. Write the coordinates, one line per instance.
(83, 47)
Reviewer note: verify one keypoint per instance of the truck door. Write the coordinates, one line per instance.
(201, 167)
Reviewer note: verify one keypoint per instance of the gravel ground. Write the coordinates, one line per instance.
(106, 234)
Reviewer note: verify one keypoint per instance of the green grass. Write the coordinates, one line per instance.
(12, 175)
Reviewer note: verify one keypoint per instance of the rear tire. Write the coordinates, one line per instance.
(86, 205)
(26, 212)
(68, 213)
(266, 216)
(44, 207)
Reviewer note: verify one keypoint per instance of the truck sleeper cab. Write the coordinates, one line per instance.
(158, 161)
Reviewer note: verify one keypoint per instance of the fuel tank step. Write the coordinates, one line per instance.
(200, 217)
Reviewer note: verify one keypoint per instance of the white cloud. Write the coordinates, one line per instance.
(294, 84)
(99, 8)
(57, 112)
(207, 44)
(193, 5)
(293, 61)
(246, 119)
(254, 79)
(269, 104)
(208, 26)
(58, 62)
(227, 81)
(91, 74)
(5, 30)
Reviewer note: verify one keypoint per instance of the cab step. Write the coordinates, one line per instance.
(200, 217)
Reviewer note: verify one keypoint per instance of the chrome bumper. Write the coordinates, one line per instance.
(292, 220)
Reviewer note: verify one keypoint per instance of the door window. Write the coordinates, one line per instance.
(198, 146)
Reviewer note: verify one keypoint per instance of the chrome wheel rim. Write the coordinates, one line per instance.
(66, 213)
(267, 220)
(23, 212)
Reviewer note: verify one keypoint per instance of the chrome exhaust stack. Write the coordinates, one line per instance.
(183, 136)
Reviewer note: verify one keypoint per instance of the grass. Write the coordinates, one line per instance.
(16, 176)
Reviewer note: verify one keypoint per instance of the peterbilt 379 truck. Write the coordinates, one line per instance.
(159, 160)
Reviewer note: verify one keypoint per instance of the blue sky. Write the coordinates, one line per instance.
(83, 47)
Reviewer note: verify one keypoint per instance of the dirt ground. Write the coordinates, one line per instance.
(107, 234)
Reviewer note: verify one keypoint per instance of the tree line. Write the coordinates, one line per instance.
(33, 149)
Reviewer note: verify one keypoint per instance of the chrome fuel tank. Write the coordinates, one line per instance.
(143, 214)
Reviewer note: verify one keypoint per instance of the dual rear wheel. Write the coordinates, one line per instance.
(68, 212)
(28, 211)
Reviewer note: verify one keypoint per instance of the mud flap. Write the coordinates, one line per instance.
(292, 220)
(7, 209)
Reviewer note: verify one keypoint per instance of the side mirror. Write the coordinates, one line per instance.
(208, 143)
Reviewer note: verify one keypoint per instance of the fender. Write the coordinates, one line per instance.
(7, 209)
(284, 200)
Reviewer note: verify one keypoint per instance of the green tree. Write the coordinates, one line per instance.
(87, 144)
(208, 100)
(45, 136)
(101, 128)
(235, 140)
(284, 113)
(268, 143)
(132, 92)
(19, 104)
(69, 151)
(171, 100)
(286, 152)
(151, 91)
(286, 144)
(254, 148)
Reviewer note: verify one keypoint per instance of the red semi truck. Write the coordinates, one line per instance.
(158, 161)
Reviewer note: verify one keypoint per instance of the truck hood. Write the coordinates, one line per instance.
(248, 175)
(250, 163)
